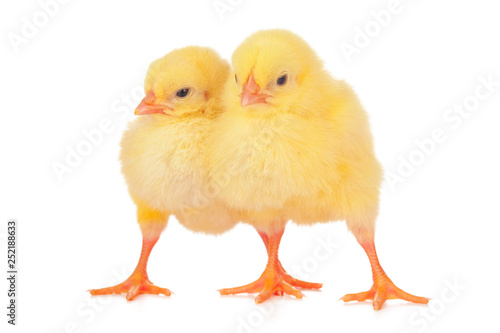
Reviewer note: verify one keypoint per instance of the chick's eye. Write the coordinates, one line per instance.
(236, 78)
(282, 80)
(183, 92)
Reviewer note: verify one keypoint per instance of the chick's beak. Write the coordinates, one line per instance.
(149, 105)
(251, 93)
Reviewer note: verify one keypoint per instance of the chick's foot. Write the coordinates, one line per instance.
(296, 282)
(135, 285)
(383, 288)
(275, 280)
(286, 277)
(271, 282)
(138, 283)
(381, 291)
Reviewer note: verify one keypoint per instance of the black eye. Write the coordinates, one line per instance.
(236, 78)
(183, 92)
(281, 80)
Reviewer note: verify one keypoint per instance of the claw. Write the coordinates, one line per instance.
(132, 287)
(382, 290)
(275, 280)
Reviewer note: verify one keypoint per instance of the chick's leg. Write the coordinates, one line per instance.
(152, 223)
(383, 288)
(288, 279)
(274, 280)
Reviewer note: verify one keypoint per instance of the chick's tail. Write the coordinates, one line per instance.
(274, 280)
(152, 224)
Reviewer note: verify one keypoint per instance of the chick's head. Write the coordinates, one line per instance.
(272, 68)
(183, 82)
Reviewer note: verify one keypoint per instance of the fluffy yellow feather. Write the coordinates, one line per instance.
(163, 154)
(309, 153)
(295, 145)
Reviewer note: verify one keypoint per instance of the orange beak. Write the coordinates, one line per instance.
(251, 93)
(149, 105)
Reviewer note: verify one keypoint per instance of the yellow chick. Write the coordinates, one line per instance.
(163, 151)
(295, 144)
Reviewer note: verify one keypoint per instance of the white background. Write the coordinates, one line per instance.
(438, 226)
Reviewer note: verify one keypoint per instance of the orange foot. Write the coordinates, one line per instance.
(137, 283)
(270, 282)
(381, 291)
(296, 282)
(383, 288)
(133, 286)
(275, 280)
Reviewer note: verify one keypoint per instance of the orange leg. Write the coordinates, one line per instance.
(152, 224)
(138, 283)
(383, 288)
(287, 277)
(274, 280)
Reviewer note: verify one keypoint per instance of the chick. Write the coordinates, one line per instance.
(308, 156)
(162, 154)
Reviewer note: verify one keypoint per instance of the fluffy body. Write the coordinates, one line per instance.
(162, 160)
(305, 155)
(162, 155)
